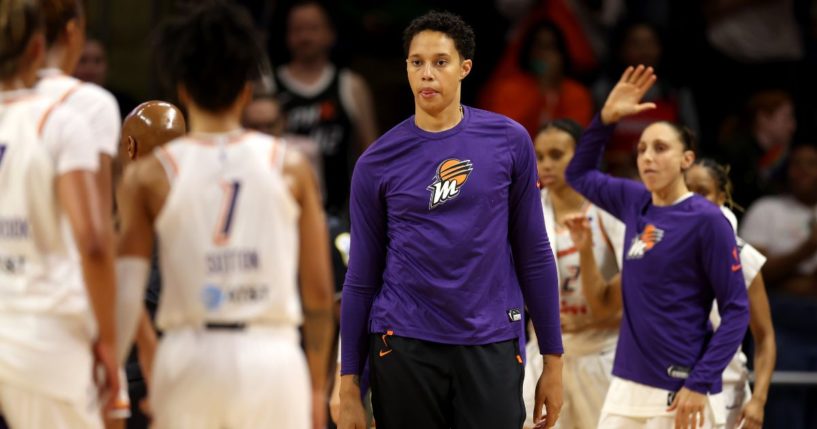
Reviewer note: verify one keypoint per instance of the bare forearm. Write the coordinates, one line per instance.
(760, 323)
(593, 284)
(552, 364)
(319, 333)
(765, 357)
(105, 184)
(350, 387)
(145, 334)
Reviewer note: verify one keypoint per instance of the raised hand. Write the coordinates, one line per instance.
(625, 98)
(580, 234)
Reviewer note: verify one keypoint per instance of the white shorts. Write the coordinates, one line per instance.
(48, 354)
(247, 379)
(23, 409)
(585, 380)
(735, 397)
(46, 371)
(631, 405)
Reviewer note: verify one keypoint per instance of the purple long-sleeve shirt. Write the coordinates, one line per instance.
(446, 227)
(677, 259)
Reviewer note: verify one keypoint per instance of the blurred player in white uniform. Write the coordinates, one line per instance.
(65, 39)
(238, 221)
(56, 260)
(589, 326)
(65, 36)
(744, 408)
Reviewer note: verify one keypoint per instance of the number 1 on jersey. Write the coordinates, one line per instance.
(2, 152)
(225, 222)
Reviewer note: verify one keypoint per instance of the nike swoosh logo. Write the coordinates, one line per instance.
(735, 267)
(385, 352)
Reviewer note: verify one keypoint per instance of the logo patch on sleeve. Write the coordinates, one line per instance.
(514, 315)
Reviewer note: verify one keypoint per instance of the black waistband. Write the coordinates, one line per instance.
(235, 326)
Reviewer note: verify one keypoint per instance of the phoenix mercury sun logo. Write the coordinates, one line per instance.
(450, 176)
(645, 241)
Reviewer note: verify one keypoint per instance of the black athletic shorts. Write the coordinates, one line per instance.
(420, 384)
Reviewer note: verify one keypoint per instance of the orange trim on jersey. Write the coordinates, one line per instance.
(233, 139)
(566, 252)
(169, 158)
(121, 404)
(56, 103)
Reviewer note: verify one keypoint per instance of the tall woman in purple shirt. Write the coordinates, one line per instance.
(448, 247)
(680, 254)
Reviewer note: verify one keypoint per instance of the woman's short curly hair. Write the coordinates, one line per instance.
(447, 23)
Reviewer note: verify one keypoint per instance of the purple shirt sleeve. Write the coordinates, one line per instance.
(535, 265)
(365, 273)
(721, 264)
(610, 193)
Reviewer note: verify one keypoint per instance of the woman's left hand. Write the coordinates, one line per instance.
(751, 416)
(689, 409)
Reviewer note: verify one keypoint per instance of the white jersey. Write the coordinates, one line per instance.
(44, 307)
(751, 261)
(228, 233)
(608, 236)
(39, 264)
(93, 102)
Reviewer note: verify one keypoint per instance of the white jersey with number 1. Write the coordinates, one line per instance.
(228, 233)
(228, 253)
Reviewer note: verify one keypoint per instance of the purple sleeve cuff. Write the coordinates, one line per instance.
(356, 303)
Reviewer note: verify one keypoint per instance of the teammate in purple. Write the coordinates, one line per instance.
(680, 254)
(448, 237)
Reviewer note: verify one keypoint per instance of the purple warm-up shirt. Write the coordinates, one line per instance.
(448, 236)
(677, 259)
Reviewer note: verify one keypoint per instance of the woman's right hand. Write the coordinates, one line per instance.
(580, 233)
(625, 98)
(351, 412)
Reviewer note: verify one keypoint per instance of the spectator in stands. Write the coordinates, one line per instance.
(784, 227)
(263, 114)
(758, 146)
(93, 67)
(331, 105)
(542, 89)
